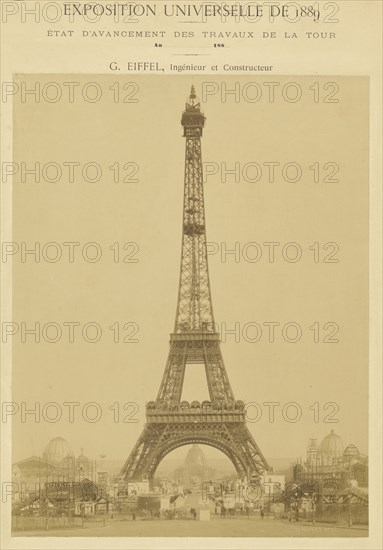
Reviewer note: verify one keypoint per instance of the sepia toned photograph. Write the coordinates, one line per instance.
(190, 275)
(190, 329)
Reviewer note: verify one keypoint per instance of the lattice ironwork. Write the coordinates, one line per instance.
(219, 422)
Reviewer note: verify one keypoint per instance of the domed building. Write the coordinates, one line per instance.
(195, 458)
(56, 463)
(331, 460)
(56, 450)
(351, 451)
(69, 481)
(331, 448)
(195, 469)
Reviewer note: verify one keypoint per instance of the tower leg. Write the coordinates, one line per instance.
(157, 440)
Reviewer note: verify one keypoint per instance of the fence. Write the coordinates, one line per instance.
(29, 523)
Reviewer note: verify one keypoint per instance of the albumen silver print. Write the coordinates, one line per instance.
(189, 256)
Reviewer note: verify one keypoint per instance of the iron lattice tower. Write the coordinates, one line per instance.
(171, 422)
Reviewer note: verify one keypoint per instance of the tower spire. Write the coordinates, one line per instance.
(194, 306)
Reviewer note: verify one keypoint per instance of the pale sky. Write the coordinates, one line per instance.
(149, 213)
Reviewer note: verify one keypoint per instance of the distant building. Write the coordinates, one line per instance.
(57, 463)
(56, 450)
(84, 467)
(332, 460)
(195, 470)
(32, 472)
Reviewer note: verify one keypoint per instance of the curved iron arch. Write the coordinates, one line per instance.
(167, 448)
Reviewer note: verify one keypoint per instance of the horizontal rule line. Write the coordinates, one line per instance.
(188, 46)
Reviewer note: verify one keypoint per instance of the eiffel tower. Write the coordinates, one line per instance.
(170, 422)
